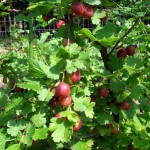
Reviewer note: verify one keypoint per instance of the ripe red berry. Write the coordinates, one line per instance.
(79, 125)
(60, 23)
(35, 142)
(130, 147)
(95, 133)
(18, 89)
(109, 125)
(115, 129)
(93, 98)
(122, 53)
(103, 92)
(88, 13)
(53, 102)
(125, 105)
(65, 101)
(63, 90)
(77, 8)
(130, 50)
(75, 76)
(58, 115)
(46, 17)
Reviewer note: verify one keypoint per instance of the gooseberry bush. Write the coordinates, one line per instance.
(87, 88)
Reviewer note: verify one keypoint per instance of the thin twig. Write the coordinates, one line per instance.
(69, 30)
(11, 10)
(12, 71)
(130, 29)
(88, 136)
(31, 38)
(104, 53)
(119, 46)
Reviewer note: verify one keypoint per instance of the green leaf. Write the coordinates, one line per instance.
(116, 85)
(115, 63)
(70, 66)
(103, 118)
(55, 71)
(27, 140)
(107, 31)
(71, 115)
(40, 69)
(131, 70)
(97, 16)
(6, 116)
(93, 2)
(47, 6)
(62, 130)
(40, 134)
(15, 103)
(21, 17)
(21, 124)
(87, 91)
(43, 37)
(14, 147)
(79, 64)
(86, 145)
(89, 110)
(80, 103)
(3, 140)
(45, 95)
(39, 119)
(108, 3)
(14, 127)
(84, 56)
(83, 104)
(103, 130)
(32, 85)
(136, 92)
(13, 131)
(134, 64)
(74, 49)
(3, 98)
(28, 108)
(109, 41)
(28, 137)
(123, 95)
(146, 85)
(84, 32)
(137, 125)
(56, 63)
(148, 124)
(107, 35)
(83, 60)
(61, 32)
(133, 80)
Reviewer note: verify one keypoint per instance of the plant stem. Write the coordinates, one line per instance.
(69, 24)
(12, 10)
(69, 29)
(130, 29)
(104, 53)
(31, 38)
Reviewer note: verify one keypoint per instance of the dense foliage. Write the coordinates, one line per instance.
(83, 89)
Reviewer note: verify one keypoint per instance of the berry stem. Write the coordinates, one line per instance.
(31, 37)
(126, 33)
(69, 29)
